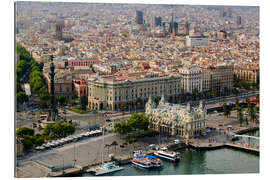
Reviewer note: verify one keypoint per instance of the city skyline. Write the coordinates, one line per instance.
(156, 75)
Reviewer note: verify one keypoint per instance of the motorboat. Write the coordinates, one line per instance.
(141, 161)
(156, 162)
(165, 154)
(105, 169)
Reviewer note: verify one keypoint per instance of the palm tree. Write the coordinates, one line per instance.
(236, 101)
(227, 110)
(108, 146)
(240, 116)
(251, 113)
(114, 143)
(214, 92)
(247, 100)
(194, 94)
(131, 141)
(123, 106)
(182, 97)
(138, 102)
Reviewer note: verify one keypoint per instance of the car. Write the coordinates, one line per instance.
(108, 120)
(34, 125)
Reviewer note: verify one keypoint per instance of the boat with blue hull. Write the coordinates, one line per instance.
(156, 162)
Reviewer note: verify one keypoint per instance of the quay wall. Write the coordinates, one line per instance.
(243, 131)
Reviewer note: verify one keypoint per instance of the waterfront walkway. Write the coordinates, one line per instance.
(217, 145)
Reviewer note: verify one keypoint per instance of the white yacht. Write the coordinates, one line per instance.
(105, 169)
(165, 154)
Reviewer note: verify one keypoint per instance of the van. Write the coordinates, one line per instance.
(176, 141)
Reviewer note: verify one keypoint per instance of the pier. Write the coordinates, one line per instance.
(212, 146)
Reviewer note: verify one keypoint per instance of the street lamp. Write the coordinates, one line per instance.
(63, 164)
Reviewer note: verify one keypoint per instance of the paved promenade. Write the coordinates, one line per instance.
(88, 151)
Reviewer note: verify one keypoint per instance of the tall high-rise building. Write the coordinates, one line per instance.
(59, 31)
(186, 28)
(158, 21)
(173, 28)
(238, 20)
(230, 13)
(139, 17)
(223, 13)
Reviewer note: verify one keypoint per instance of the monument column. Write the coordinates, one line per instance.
(53, 110)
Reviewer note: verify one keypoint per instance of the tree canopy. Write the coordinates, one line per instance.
(21, 97)
(23, 131)
(59, 130)
(83, 102)
(61, 100)
(134, 123)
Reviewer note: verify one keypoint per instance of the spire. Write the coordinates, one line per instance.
(150, 103)
(162, 100)
(188, 107)
(202, 104)
(150, 100)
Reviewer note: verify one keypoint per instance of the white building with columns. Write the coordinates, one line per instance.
(191, 79)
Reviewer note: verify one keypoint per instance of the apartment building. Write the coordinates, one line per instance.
(247, 74)
(191, 79)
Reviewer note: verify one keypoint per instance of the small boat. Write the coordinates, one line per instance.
(141, 161)
(137, 153)
(105, 169)
(165, 154)
(156, 162)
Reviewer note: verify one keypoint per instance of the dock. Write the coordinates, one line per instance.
(243, 131)
(213, 146)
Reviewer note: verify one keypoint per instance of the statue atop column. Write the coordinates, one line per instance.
(53, 110)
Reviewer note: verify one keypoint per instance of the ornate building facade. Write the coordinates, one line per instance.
(175, 119)
(130, 92)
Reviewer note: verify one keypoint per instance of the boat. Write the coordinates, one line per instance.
(165, 154)
(104, 168)
(156, 162)
(137, 153)
(143, 162)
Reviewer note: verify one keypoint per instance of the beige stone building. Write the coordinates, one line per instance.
(62, 83)
(247, 74)
(130, 91)
(175, 119)
(222, 77)
(219, 77)
(191, 79)
(206, 78)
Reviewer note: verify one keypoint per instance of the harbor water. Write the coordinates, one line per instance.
(220, 161)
